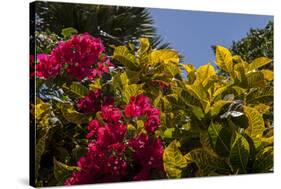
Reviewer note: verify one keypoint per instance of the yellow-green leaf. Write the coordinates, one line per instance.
(262, 108)
(173, 160)
(255, 79)
(217, 106)
(204, 73)
(255, 121)
(131, 90)
(144, 46)
(123, 55)
(268, 75)
(258, 63)
(63, 171)
(224, 59)
(164, 56)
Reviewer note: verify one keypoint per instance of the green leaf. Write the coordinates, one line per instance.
(63, 171)
(173, 160)
(224, 59)
(264, 160)
(221, 137)
(68, 32)
(39, 151)
(120, 80)
(255, 120)
(258, 63)
(239, 155)
(75, 90)
(71, 115)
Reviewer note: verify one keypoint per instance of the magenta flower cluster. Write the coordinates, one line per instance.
(79, 57)
(112, 155)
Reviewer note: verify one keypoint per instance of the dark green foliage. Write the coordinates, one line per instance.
(257, 43)
(115, 25)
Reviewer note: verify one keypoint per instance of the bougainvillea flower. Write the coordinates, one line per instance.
(110, 113)
(152, 123)
(107, 157)
(47, 67)
(78, 56)
(90, 103)
(92, 128)
(132, 110)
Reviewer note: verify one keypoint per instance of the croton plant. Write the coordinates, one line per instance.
(140, 114)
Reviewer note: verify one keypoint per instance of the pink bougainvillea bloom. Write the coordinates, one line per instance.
(148, 153)
(110, 113)
(92, 128)
(47, 67)
(90, 103)
(132, 110)
(153, 111)
(152, 123)
(107, 156)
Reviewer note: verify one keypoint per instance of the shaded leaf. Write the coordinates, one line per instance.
(239, 155)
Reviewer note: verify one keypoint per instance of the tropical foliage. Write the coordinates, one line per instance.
(144, 119)
(112, 105)
(257, 43)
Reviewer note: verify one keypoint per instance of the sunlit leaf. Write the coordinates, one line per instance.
(258, 63)
(256, 123)
(224, 59)
(173, 160)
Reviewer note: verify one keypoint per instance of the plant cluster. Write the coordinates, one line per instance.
(134, 115)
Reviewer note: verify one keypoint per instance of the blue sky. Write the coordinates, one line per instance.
(192, 33)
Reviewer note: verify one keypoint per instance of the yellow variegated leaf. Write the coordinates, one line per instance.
(96, 84)
(255, 122)
(258, 63)
(268, 75)
(173, 160)
(131, 90)
(164, 56)
(204, 73)
(224, 59)
(219, 90)
(217, 106)
(120, 80)
(205, 162)
(71, 115)
(262, 108)
(144, 46)
(198, 91)
(191, 72)
(188, 68)
(237, 59)
(123, 55)
(255, 79)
